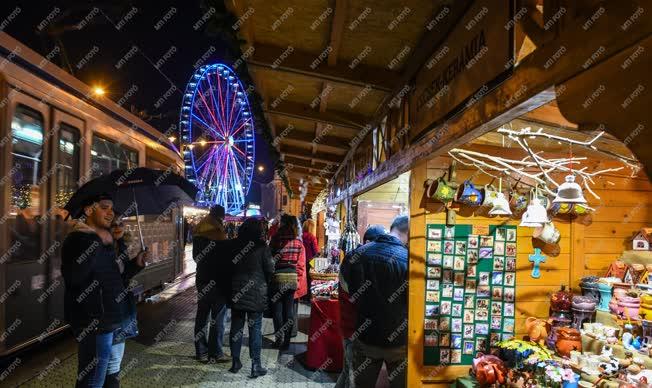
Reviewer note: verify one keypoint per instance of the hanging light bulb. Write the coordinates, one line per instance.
(535, 215)
(500, 203)
(569, 192)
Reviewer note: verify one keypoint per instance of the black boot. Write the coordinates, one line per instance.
(257, 369)
(236, 365)
(112, 381)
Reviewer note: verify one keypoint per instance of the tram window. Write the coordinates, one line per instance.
(27, 151)
(68, 155)
(107, 156)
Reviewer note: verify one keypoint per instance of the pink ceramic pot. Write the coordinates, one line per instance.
(629, 306)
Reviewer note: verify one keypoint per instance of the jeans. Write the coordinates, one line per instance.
(217, 313)
(283, 309)
(255, 321)
(97, 356)
(346, 376)
(368, 360)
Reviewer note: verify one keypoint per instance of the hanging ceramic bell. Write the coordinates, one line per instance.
(569, 192)
(500, 206)
(535, 215)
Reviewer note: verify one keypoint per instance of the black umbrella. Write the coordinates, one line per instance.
(136, 191)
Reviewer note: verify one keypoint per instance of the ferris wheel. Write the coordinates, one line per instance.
(217, 137)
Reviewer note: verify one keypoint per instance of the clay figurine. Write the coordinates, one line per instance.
(537, 329)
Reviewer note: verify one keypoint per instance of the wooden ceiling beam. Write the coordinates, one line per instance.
(301, 153)
(324, 141)
(311, 65)
(300, 111)
(337, 30)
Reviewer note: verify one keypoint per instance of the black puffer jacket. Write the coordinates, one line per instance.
(252, 271)
(213, 273)
(95, 289)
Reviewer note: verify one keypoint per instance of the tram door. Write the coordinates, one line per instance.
(26, 272)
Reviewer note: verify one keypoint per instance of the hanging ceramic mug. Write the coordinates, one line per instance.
(490, 195)
(561, 208)
(580, 209)
(517, 201)
(545, 201)
(441, 191)
(547, 233)
(469, 195)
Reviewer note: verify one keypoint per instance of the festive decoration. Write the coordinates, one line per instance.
(536, 215)
(218, 137)
(537, 258)
(569, 192)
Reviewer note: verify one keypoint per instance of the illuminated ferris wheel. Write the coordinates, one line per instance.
(217, 137)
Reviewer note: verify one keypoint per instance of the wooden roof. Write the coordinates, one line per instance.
(325, 67)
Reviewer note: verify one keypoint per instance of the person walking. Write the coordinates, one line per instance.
(311, 248)
(212, 279)
(289, 280)
(253, 268)
(94, 302)
(378, 279)
(348, 312)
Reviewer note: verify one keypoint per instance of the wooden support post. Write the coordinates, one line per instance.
(450, 213)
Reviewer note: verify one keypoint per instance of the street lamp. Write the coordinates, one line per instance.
(99, 91)
(261, 168)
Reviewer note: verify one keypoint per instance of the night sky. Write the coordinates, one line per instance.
(139, 51)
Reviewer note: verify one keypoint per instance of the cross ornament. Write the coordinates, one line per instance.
(537, 258)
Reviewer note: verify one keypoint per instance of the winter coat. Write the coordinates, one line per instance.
(376, 275)
(252, 272)
(95, 296)
(213, 272)
(290, 256)
(310, 245)
(211, 228)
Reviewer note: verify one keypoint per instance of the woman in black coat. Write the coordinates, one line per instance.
(252, 271)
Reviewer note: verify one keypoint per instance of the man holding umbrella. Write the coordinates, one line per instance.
(94, 303)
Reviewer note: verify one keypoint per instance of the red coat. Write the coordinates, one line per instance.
(310, 245)
(302, 277)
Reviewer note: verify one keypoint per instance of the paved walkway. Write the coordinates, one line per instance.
(162, 356)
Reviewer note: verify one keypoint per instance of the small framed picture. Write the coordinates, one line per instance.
(447, 291)
(444, 324)
(497, 293)
(434, 233)
(432, 310)
(510, 278)
(468, 316)
(468, 331)
(510, 249)
(432, 285)
(458, 264)
(483, 303)
(507, 336)
(472, 256)
(473, 242)
(486, 241)
(432, 296)
(483, 291)
(456, 310)
(496, 323)
(469, 301)
(445, 339)
(509, 294)
(449, 247)
(508, 325)
(433, 246)
(446, 307)
(450, 232)
(430, 324)
(511, 234)
(456, 356)
(434, 272)
(494, 338)
(456, 325)
(459, 279)
(483, 279)
(458, 294)
(481, 314)
(499, 263)
(496, 308)
(509, 309)
(468, 347)
(460, 247)
(481, 344)
(448, 261)
(434, 258)
(471, 270)
(499, 248)
(481, 328)
(486, 253)
(448, 276)
(470, 286)
(431, 340)
(510, 264)
(444, 355)
(456, 341)
(497, 278)
(500, 234)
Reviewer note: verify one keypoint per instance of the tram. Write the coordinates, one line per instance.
(54, 136)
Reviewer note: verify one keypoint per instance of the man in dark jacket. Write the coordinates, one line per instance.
(94, 305)
(210, 250)
(377, 281)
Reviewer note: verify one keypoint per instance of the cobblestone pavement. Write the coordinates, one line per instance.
(162, 356)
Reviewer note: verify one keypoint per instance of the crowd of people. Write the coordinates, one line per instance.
(261, 272)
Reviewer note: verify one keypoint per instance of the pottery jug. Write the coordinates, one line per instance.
(568, 339)
(490, 195)
(469, 195)
(537, 329)
(441, 191)
(517, 201)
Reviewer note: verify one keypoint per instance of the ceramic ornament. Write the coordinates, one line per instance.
(537, 258)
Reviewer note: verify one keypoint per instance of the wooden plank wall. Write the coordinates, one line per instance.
(588, 245)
